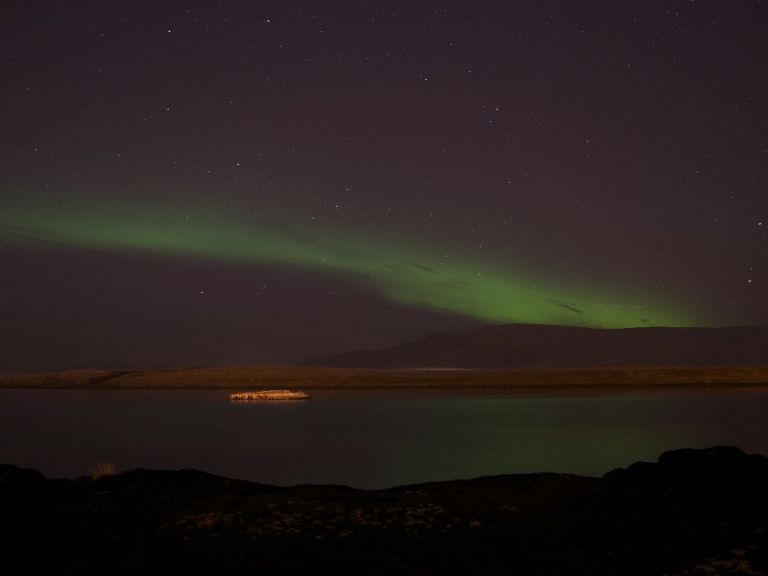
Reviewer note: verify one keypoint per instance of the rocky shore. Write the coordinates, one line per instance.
(692, 512)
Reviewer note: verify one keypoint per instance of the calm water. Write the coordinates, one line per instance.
(368, 438)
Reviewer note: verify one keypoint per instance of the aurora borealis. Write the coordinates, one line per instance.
(398, 273)
(195, 182)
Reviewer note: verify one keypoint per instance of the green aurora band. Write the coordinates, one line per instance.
(399, 273)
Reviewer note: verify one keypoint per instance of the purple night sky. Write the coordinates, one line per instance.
(197, 183)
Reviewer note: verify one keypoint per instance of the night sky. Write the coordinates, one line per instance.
(197, 183)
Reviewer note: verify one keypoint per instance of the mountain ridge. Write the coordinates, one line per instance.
(550, 346)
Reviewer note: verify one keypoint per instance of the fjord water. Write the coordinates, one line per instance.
(369, 439)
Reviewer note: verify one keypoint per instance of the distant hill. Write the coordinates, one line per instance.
(542, 346)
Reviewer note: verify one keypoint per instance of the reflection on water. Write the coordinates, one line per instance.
(368, 438)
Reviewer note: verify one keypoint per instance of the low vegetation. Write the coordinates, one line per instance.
(694, 512)
(302, 378)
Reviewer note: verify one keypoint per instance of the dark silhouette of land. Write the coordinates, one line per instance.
(304, 378)
(516, 346)
(512, 356)
(693, 512)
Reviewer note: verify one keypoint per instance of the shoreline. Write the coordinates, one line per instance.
(691, 512)
(283, 377)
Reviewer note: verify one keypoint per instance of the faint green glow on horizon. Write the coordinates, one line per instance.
(399, 273)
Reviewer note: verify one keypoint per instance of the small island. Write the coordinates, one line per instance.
(268, 396)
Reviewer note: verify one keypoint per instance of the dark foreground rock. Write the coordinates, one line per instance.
(693, 512)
